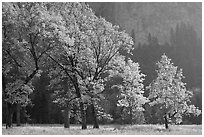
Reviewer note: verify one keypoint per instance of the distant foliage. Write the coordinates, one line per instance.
(186, 48)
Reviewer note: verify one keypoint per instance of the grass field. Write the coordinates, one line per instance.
(104, 130)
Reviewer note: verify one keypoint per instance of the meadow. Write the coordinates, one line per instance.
(104, 130)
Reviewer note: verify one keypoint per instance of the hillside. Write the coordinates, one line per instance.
(155, 18)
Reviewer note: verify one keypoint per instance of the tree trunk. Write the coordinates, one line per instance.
(67, 113)
(25, 116)
(95, 120)
(67, 109)
(83, 115)
(9, 117)
(130, 115)
(166, 122)
(18, 115)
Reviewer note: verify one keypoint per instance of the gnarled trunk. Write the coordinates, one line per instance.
(95, 120)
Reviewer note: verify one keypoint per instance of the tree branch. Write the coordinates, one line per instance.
(71, 99)
(33, 53)
(13, 59)
(104, 64)
(31, 76)
(49, 47)
(61, 66)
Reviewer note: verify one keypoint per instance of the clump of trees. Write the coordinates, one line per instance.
(81, 52)
(80, 44)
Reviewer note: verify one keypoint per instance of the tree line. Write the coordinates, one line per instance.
(79, 54)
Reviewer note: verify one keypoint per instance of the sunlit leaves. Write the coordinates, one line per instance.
(29, 31)
(70, 38)
(92, 44)
(170, 92)
(132, 88)
(102, 115)
(17, 92)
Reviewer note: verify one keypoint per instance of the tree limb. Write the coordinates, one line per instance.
(61, 66)
(49, 47)
(13, 59)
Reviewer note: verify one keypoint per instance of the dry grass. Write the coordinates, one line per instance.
(104, 130)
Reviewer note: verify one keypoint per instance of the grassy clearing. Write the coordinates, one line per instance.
(104, 130)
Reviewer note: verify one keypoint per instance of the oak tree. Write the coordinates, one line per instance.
(89, 48)
(28, 33)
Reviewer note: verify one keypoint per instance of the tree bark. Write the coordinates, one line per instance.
(18, 115)
(67, 110)
(95, 120)
(78, 93)
(166, 122)
(67, 113)
(130, 115)
(83, 115)
(9, 118)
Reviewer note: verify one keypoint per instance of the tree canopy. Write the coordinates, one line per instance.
(170, 93)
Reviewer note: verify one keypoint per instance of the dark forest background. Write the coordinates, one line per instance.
(156, 30)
